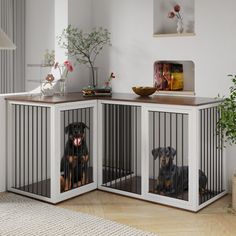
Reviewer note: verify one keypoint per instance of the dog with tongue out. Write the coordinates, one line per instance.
(75, 158)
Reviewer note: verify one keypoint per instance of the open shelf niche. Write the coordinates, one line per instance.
(174, 68)
(164, 26)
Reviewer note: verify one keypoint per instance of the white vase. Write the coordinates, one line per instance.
(47, 89)
(180, 26)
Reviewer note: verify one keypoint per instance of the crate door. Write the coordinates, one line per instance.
(76, 165)
(168, 154)
(121, 161)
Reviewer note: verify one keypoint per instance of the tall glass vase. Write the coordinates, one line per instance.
(62, 86)
(93, 76)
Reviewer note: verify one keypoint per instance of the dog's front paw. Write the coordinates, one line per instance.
(84, 159)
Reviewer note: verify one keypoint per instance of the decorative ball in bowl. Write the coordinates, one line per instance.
(144, 91)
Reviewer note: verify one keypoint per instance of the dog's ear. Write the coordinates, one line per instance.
(171, 152)
(156, 152)
(83, 125)
(67, 128)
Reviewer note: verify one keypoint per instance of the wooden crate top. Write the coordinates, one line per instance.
(156, 99)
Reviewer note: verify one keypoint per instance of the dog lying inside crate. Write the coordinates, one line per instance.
(172, 179)
(75, 158)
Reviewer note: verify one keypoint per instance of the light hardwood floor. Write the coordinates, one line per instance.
(163, 220)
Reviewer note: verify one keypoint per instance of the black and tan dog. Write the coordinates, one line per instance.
(172, 179)
(75, 158)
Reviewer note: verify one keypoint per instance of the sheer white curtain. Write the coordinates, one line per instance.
(12, 63)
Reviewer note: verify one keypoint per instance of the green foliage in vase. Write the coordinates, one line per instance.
(84, 47)
(49, 57)
(227, 121)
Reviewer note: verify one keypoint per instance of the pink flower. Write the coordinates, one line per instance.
(64, 68)
(176, 12)
(68, 66)
(171, 14)
(177, 8)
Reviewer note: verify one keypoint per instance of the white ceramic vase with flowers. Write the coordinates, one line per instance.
(176, 13)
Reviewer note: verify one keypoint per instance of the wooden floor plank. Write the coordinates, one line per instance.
(166, 221)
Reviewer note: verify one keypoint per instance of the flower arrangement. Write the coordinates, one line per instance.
(85, 47)
(64, 69)
(107, 83)
(175, 12)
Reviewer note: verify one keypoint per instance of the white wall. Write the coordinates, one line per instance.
(134, 49)
(39, 36)
(42, 31)
(79, 15)
(60, 23)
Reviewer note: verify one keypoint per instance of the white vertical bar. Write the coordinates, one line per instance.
(100, 142)
(55, 158)
(96, 137)
(193, 157)
(9, 145)
(144, 150)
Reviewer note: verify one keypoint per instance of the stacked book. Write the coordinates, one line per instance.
(168, 76)
(91, 91)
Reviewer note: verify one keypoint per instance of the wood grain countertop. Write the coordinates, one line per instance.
(156, 99)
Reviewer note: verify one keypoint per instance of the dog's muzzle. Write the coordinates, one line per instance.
(163, 161)
(77, 141)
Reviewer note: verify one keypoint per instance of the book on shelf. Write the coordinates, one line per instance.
(102, 94)
(96, 91)
(168, 76)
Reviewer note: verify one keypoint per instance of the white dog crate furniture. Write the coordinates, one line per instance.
(161, 149)
(43, 161)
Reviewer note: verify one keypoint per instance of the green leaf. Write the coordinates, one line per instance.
(226, 126)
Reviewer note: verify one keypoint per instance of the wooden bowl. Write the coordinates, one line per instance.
(144, 91)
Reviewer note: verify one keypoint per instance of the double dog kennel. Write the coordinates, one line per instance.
(165, 150)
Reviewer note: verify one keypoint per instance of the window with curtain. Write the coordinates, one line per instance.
(12, 63)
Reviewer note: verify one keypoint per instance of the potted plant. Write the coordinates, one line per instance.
(227, 125)
(85, 47)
